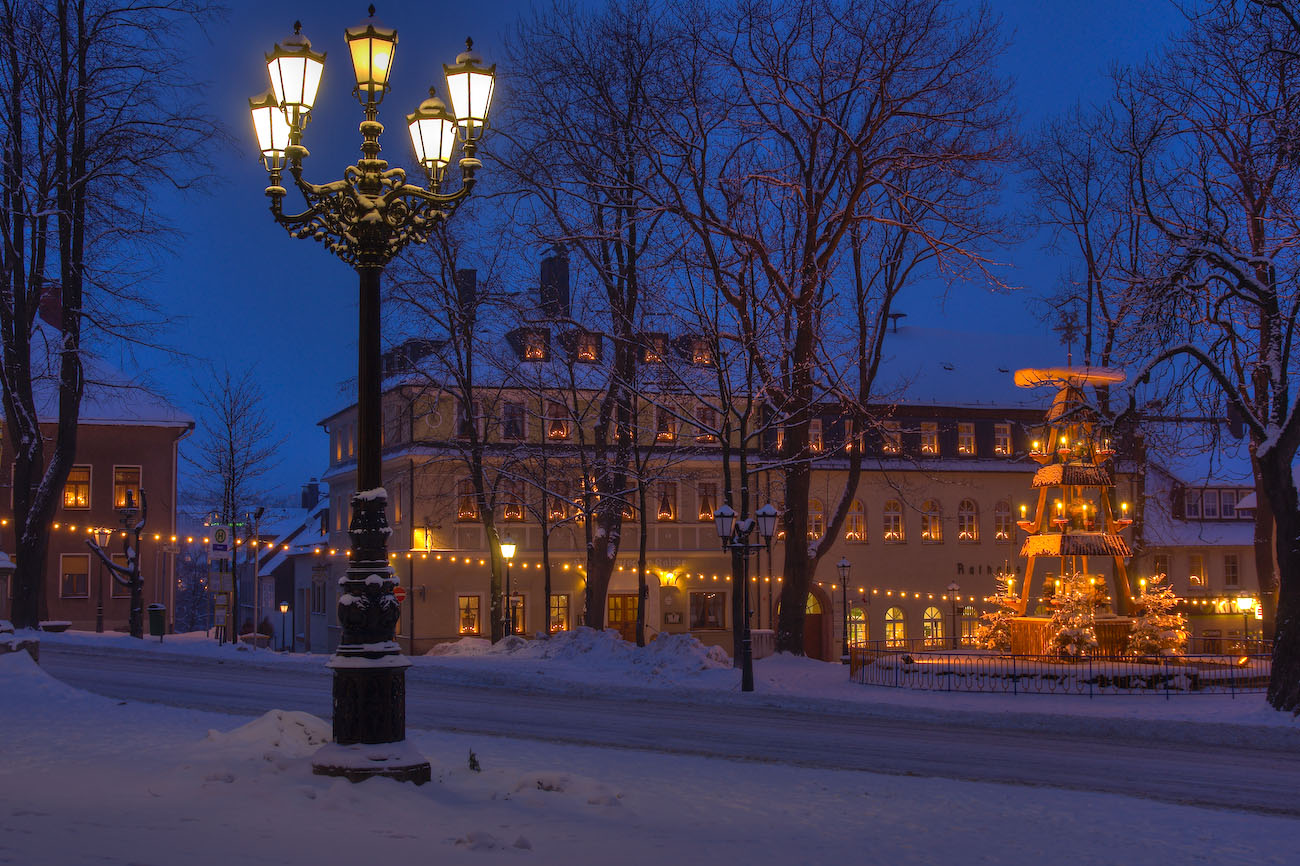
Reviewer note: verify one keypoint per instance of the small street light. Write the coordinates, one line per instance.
(284, 635)
(1245, 606)
(734, 535)
(507, 545)
(102, 536)
(953, 589)
(843, 567)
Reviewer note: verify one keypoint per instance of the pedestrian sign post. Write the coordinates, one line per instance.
(221, 582)
(219, 547)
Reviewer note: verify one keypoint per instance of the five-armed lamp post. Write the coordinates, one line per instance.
(735, 537)
(843, 567)
(366, 218)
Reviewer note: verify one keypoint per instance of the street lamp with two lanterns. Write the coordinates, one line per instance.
(735, 537)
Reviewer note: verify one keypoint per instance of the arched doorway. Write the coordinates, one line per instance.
(816, 625)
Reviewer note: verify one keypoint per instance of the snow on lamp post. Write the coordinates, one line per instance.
(365, 219)
(953, 589)
(734, 535)
(133, 520)
(102, 535)
(508, 546)
(843, 567)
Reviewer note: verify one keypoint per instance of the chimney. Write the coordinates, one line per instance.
(310, 494)
(467, 292)
(555, 284)
(50, 307)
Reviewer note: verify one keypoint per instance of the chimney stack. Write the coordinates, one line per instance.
(310, 494)
(555, 284)
(467, 292)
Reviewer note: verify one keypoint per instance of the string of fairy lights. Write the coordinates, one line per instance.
(1209, 604)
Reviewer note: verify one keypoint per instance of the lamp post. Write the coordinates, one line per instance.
(507, 546)
(1246, 606)
(365, 219)
(953, 589)
(284, 610)
(843, 567)
(102, 535)
(734, 535)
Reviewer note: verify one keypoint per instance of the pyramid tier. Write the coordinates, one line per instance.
(1075, 544)
(1072, 475)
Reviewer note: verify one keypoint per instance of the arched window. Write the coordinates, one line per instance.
(1002, 522)
(969, 622)
(855, 524)
(893, 518)
(857, 626)
(932, 626)
(968, 523)
(895, 627)
(931, 522)
(816, 519)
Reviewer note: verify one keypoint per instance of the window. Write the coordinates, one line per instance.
(1002, 439)
(1196, 569)
(470, 620)
(932, 626)
(126, 479)
(318, 594)
(466, 501)
(857, 626)
(816, 519)
(665, 425)
(1160, 564)
(707, 610)
(968, 524)
(587, 349)
(816, 444)
(969, 625)
(466, 420)
(929, 439)
(513, 423)
(115, 589)
(895, 627)
(966, 439)
(701, 353)
(557, 502)
(1231, 570)
(855, 524)
(891, 438)
(1210, 505)
(517, 623)
(893, 520)
(1002, 522)
(931, 522)
(557, 420)
(1228, 504)
(667, 501)
(1192, 505)
(76, 491)
(513, 499)
(559, 613)
(707, 420)
(707, 493)
(656, 347)
(75, 571)
(534, 346)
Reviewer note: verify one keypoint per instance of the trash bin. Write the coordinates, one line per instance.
(157, 621)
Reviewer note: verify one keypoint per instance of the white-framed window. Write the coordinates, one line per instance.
(1196, 569)
(74, 575)
(929, 438)
(932, 626)
(816, 443)
(514, 420)
(466, 501)
(891, 437)
(857, 626)
(76, 490)
(466, 420)
(895, 627)
(518, 625)
(816, 519)
(126, 479)
(1002, 522)
(968, 523)
(707, 494)
(665, 425)
(666, 502)
(1160, 564)
(558, 427)
(1227, 505)
(855, 524)
(931, 522)
(557, 501)
(512, 497)
(892, 517)
(587, 348)
(1192, 505)
(706, 418)
(708, 610)
(966, 439)
(470, 611)
(559, 613)
(1002, 439)
(1231, 570)
(1210, 505)
(534, 346)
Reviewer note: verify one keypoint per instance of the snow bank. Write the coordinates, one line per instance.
(286, 733)
(668, 656)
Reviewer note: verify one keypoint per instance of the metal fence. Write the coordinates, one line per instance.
(1235, 666)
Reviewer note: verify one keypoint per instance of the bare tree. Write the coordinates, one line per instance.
(93, 119)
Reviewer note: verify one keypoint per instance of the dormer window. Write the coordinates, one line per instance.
(586, 348)
(534, 346)
(654, 349)
(701, 353)
(665, 426)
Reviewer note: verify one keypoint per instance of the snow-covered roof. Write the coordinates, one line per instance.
(1160, 528)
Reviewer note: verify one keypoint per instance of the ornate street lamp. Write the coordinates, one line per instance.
(507, 546)
(284, 635)
(843, 567)
(102, 535)
(365, 219)
(734, 535)
(953, 589)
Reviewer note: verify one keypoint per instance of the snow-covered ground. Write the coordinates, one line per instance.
(87, 779)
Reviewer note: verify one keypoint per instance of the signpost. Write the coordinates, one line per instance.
(222, 582)
(399, 593)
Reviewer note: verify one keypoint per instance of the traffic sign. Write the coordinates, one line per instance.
(219, 547)
(399, 593)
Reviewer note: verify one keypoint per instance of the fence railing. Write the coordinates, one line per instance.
(1238, 666)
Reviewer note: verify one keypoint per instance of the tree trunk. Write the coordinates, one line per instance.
(1284, 682)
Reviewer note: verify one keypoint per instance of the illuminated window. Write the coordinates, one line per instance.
(588, 348)
(855, 524)
(816, 519)
(929, 438)
(931, 522)
(75, 571)
(816, 444)
(512, 501)
(466, 420)
(1160, 564)
(1196, 569)
(1002, 522)
(513, 423)
(126, 479)
(557, 501)
(969, 625)
(1002, 439)
(895, 627)
(1231, 570)
(891, 438)
(470, 620)
(534, 346)
(422, 538)
(966, 439)
(968, 524)
(893, 520)
(932, 626)
(656, 347)
(706, 419)
(76, 491)
(708, 496)
(701, 353)
(707, 610)
(557, 420)
(665, 425)
(466, 500)
(857, 626)
(559, 613)
(517, 623)
(667, 501)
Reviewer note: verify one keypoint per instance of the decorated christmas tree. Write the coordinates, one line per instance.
(994, 630)
(1157, 629)
(1073, 630)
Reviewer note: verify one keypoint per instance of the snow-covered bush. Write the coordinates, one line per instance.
(1073, 627)
(1157, 629)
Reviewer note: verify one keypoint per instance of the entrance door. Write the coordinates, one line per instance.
(814, 625)
(622, 614)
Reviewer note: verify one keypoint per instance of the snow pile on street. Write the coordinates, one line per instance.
(277, 733)
(667, 656)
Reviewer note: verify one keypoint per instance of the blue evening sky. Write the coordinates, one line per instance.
(244, 292)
